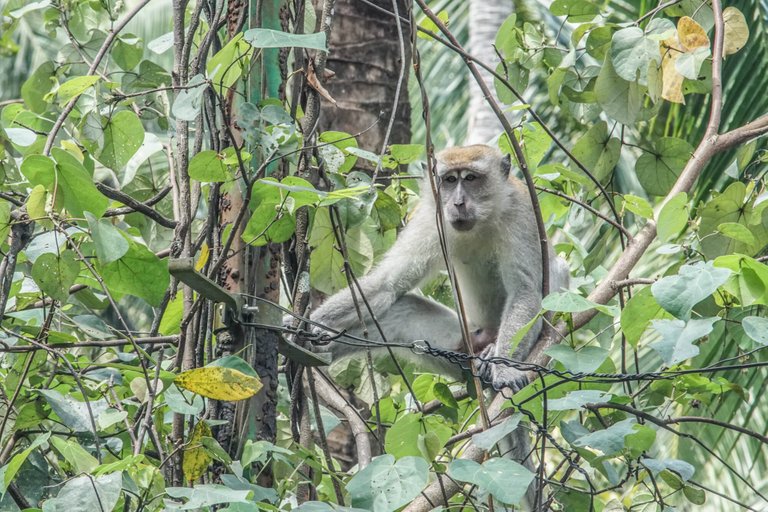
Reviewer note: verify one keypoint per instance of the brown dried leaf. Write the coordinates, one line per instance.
(671, 80)
(736, 31)
(690, 34)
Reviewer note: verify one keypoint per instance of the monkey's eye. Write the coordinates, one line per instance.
(470, 177)
(451, 179)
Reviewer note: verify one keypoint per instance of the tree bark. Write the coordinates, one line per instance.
(365, 55)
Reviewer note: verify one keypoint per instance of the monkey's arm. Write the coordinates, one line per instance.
(519, 310)
(414, 257)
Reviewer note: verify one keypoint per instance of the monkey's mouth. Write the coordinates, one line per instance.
(462, 224)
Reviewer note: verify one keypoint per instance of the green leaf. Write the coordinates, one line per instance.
(738, 232)
(128, 51)
(188, 102)
(80, 460)
(632, 52)
(404, 437)
(110, 244)
(39, 170)
(577, 11)
(609, 441)
(659, 29)
(658, 171)
(756, 327)
(732, 206)
(636, 316)
(682, 468)
(266, 38)
(678, 336)
(54, 274)
(271, 221)
(326, 265)
(673, 217)
(749, 280)
(695, 495)
(598, 151)
(9, 471)
(123, 136)
(535, 143)
(76, 186)
(570, 302)
(507, 41)
(386, 485)
(75, 87)
(209, 166)
(488, 438)
(689, 64)
(88, 493)
(430, 25)
(406, 153)
(577, 399)
(37, 86)
(505, 479)
(599, 42)
(139, 272)
(622, 100)
(206, 495)
(694, 283)
(180, 404)
(5, 218)
(339, 141)
(74, 414)
(226, 67)
(585, 360)
(638, 206)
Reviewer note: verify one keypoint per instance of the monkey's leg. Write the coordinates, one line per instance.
(411, 318)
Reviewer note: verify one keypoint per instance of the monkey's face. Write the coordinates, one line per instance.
(464, 194)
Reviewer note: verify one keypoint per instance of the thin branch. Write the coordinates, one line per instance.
(136, 205)
(155, 340)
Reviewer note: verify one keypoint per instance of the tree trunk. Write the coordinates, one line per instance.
(485, 18)
(366, 59)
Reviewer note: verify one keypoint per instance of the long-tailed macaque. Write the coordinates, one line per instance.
(493, 244)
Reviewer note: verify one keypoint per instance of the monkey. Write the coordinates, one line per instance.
(493, 244)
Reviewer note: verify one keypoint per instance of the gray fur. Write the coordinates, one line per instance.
(494, 246)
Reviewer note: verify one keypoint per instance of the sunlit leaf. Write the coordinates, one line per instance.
(195, 459)
(219, 383)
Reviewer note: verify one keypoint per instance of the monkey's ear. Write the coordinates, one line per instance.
(506, 165)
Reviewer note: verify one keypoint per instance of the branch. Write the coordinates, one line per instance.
(708, 147)
(136, 205)
(359, 429)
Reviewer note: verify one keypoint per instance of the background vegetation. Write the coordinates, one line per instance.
(145, 140)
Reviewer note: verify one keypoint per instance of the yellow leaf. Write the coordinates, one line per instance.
(736, 31)
(690, 34)
(219, 383)
(196, 458)
(203, 259)
(671, 80)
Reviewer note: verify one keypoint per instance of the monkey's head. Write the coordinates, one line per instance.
(470, 179)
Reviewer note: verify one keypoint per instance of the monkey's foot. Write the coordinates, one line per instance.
(504, 377)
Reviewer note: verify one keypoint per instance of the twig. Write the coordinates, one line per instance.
(135, 205)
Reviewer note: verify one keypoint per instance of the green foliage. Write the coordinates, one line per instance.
(95, 411)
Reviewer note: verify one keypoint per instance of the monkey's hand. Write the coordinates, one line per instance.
(499, 375)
